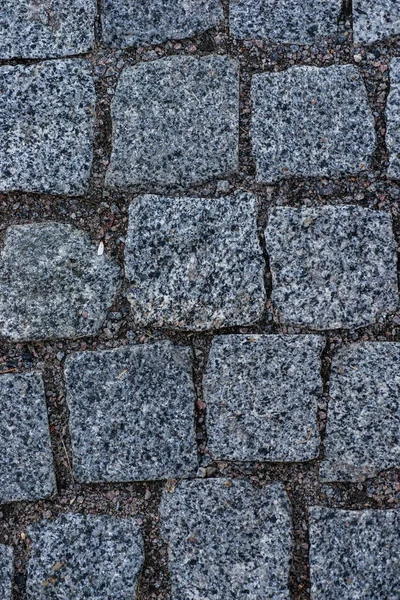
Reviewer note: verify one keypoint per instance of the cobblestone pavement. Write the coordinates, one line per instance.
(199, 300)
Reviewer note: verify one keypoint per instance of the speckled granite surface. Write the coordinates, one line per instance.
(375, 20)
(6, 572)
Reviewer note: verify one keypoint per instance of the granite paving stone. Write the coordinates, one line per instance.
(354, 554)
(53, 284)
(393, 120)
(132, 413)
(46, 28)
(287, 21)
(333, 266)
(131, 23)
(262, 393)
(227, 540)
(6, 572)
(375, 20)
(311, 122)
(26, 465)
(175, 122)
(81, 557)
(362, 434)
(46, 126)
(194, 263)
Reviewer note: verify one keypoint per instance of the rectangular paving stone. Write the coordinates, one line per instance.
(227, 540)
(194, 263)
(363, 429)
(46, 126)
(6, 572)
(131, 23)
(262, 393)
(80, 557)
(26, 465)
(393, 120)
(175, 122)
(132, 413)
(46, 28)
(375, 20)
(311, 122)
(332, 266)
(354, 554)
(286, 21)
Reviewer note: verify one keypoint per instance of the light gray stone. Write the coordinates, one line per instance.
(80, 557)
(332, 266)
(175, 122)
(354, 554)
(194, 263)
(53, 284)
(362, 433)
(6, 572)
(227, 540)
(393, 120)
(375, 20)
(132, 413)
(46, 127)
(131, 23)
(262, 393)
(46, 28)
(287, 21)
(26, 466)
(311, 122)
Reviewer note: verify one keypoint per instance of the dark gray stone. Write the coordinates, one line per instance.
(53, 284)
(393, 120)
(132, 413)
(6, 572)
(354, 554)
(46, 127)
(84, 557)
(46, 28)
(175, 122)
(311, 122)
(194, 263)
(262, 393)
(332, 266)
(375, 20)
(132, 23)
(26, 466)
(287, 21)
(362, 434)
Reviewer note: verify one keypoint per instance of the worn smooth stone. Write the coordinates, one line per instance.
(175, 122)
(311, 122)
(375, 20)
(194, 263)
(46, 126)
(80, 557)
(26, 466)
(332, 266)
(132, 413)
(393, 120)
(227, 540)
(53, 284)
(131, 23)
(362, 433)
(262, 393)
(354, 554)
(46, 28)
(6, 572)
(287, 21)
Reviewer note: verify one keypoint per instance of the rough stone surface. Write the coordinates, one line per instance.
(262, 393)
(332, 267)
(131, 23)
(37, 29)
(227, 540)
(46, 126)
(288, 21)
(354, 554)
(362, 434)
(293, 116)
(175, 122)
(393, 120)
(375, 20)
(6, 572)
(194, 263)
(26, 466)
(81, 557)
(132, 413)
(53, 284)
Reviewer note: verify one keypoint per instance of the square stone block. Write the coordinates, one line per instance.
(375, 20)
(393, 120)
(6, 572)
